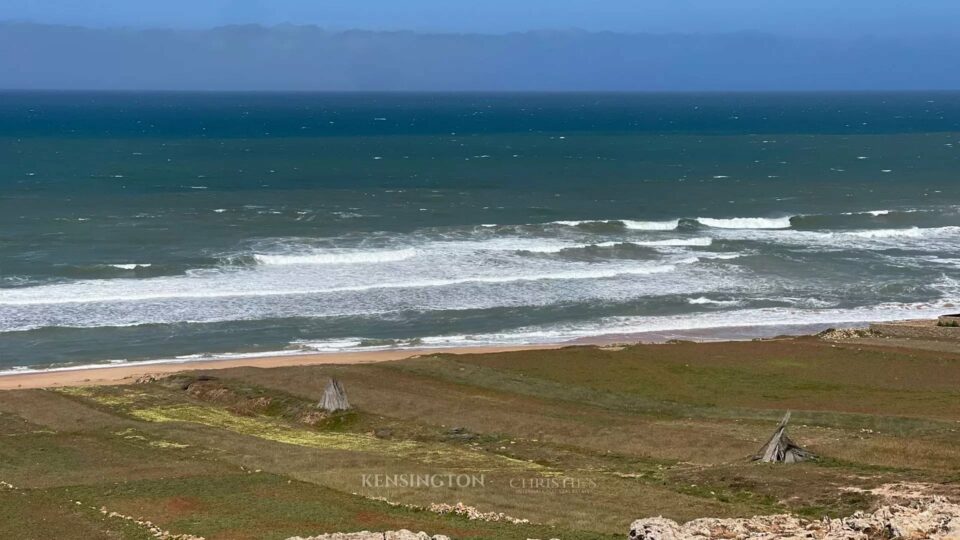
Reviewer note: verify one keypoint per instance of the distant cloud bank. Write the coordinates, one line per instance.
(309, 58)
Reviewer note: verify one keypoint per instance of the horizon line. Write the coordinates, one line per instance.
(476, 92)
(428, 32)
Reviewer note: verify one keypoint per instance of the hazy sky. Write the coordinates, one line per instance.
(792, 17)
(628, 45)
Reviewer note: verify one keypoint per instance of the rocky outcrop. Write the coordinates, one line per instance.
(924, 329)
(842, 334)
(472, 513)
(458, 509)
(933, 518)
(148, 378)
(153, 529)
(402, 534)
(949, 321)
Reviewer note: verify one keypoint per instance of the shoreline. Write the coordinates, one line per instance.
(110, 374)
(127, 373)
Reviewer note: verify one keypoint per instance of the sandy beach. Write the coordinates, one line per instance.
(128, 373)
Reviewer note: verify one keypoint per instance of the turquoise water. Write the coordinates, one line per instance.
(143, 226)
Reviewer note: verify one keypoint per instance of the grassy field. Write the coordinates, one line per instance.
(578, 441)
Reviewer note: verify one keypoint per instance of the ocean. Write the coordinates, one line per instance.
(140, 226)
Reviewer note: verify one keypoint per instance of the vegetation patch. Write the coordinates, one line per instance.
(268, 429)
(639, 431)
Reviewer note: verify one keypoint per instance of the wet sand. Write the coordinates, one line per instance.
(128, 373)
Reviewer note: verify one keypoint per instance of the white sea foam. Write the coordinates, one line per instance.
(722, 256)
(558, 333)
(649, 280)
(549, 247)
(874, 213)
(441, 269)
(691, 242)
(104, 291)
(651, 225)
(746, 223)
(913, 232)
(939, 238)
(745, 318)
(806, 302)
(338, 257)
(703, 300)
(700, 321)
(948, 261)
(131, 266)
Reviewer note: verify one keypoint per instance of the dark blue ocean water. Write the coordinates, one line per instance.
(141, 226)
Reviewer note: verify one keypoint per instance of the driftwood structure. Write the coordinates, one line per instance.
(780, 449)
(334, 397)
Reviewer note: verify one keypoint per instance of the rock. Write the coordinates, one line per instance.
(147, 378)
(933, 518)
(472, 513)
(363, 535)
(460, 433)
(402, 534)
(383, 433)
(841, 334)
(656, 528)
(312, 418)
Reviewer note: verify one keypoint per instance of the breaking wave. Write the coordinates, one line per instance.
(651, 225)
(746, 223)
(105, 291)
(703, 300)
(338, 257)
(913, 232)
(779, 320)
(131, 266)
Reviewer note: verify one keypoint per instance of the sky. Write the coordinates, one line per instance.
(621, 45)
(809, 18)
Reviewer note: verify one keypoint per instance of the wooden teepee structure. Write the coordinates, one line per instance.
(334, 397)
(780, 449)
